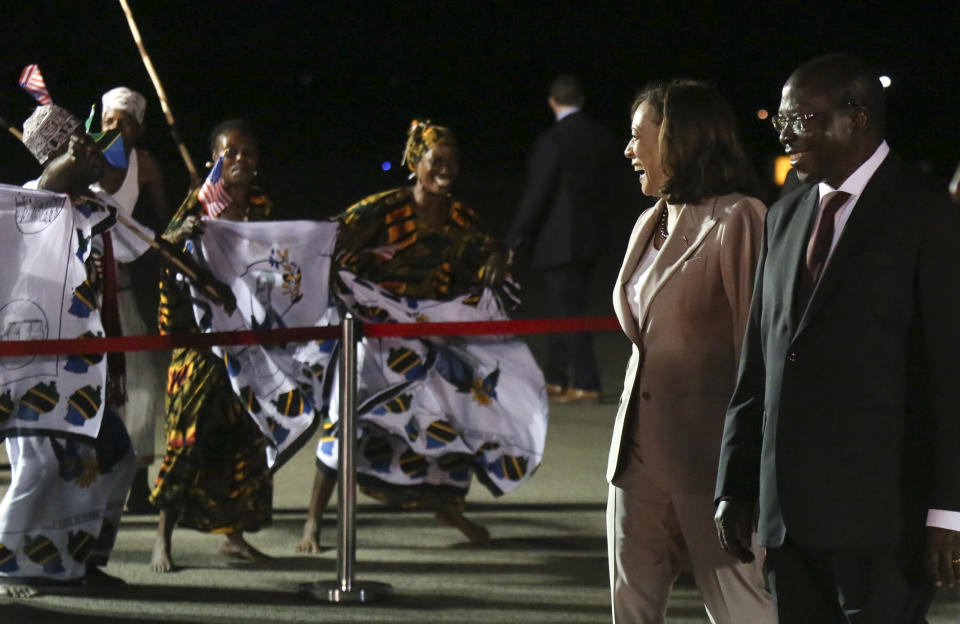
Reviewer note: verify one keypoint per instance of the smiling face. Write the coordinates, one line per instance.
(241, 155)
(825, 150)
(643, 150)
(438, 169)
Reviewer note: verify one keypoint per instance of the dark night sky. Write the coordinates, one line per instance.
(334, 85)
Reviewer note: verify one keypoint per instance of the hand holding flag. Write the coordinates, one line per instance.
(212, 194)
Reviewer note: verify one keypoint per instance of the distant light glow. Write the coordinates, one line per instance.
(885, 81)
(386, 166)
(781, 166)
(762, 113)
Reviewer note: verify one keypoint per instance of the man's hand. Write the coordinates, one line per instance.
(943, 556)
(734, 520)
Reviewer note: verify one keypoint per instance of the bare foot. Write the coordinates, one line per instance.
(161, 560)
(476, 533)
(18, 591)
(311, 537)
(233, 545)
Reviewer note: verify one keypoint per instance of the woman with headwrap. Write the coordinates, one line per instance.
(436, 411)
(214, 477)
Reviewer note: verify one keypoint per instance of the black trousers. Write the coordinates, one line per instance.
(845, 586)
(570, 358)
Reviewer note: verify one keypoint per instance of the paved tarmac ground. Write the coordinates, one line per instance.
(546, 563)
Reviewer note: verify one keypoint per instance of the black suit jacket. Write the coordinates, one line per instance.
(845, 421)
(571, 177)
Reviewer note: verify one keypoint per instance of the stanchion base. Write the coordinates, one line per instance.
(332, 591)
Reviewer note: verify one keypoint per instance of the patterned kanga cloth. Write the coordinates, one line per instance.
(214, 472)
(62, 509)
(435, 411)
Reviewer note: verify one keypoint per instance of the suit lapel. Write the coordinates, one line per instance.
(639, 239)
(693, 225)
(867, 214)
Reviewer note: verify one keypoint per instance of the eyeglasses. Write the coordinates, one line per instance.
(796, 123)
(799, 124)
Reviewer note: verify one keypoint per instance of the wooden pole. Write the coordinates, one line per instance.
(193, 273)
(194, 176)
(11, 129)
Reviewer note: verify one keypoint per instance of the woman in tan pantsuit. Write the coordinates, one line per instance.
(682, 297)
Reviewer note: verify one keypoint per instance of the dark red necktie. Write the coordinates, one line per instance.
(818, 249)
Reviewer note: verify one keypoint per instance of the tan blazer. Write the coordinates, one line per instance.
(686, 345)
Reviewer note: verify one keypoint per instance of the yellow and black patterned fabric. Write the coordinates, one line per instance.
(381, 240)
(214, 472)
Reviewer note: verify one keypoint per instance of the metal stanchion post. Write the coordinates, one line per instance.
(346, 588)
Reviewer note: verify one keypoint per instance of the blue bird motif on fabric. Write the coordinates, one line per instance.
(249, 400)
(508, 467)
(396, 405)
(454, 370)
(83, 405)
(327, 346)
(233, 365)
(406, 362)
(79, 362)
(440, 433)
(294, 402)
(8, 560)
(278, 431)
(379, 453)
(39, 399)
(83, 301)
(413, 464)
(43, 552)
(413, 429)
(83, 243)
(6, 406)
(80, 545)
(457, 466)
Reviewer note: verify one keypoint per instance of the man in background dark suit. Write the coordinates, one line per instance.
(559, 226)
(845, 421)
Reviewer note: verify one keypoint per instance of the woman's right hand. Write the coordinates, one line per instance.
(191, 227)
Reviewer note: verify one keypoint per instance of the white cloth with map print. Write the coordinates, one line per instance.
(279, 273)
(45, 294)
(436, 411)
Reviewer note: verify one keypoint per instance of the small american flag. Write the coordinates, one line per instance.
(212, 194)
(32, 82)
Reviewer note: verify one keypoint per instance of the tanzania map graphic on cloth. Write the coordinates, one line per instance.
(44, 294)
(439, 410)
(279, 273)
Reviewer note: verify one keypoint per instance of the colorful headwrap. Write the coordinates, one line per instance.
(128, 100)
(422, 137)
(48, 129)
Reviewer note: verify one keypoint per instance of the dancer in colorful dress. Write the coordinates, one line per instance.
(214, 476)
(436, 411)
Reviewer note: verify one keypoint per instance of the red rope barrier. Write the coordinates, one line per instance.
(21, 348)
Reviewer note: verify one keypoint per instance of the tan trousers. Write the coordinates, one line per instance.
(653, 535)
